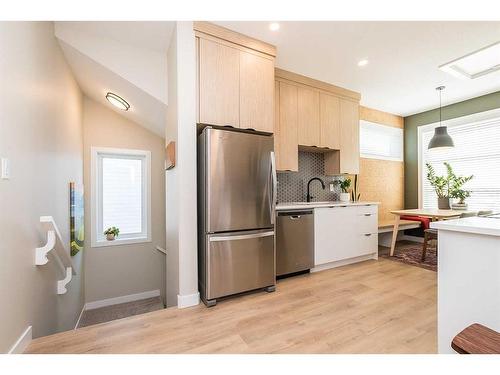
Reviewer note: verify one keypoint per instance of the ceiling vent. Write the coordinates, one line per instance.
(475, 64)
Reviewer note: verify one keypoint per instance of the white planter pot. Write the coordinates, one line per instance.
(110, 237)
(345, 197)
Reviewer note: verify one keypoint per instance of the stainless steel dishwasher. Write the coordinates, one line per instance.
(294, 242)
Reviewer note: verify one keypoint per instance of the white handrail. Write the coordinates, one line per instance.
(161, 250)
(55, 241)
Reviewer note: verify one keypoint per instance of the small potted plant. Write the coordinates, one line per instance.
(440, 185)
(345, 184)
(111, 233)
(449, 186)
(456, 190)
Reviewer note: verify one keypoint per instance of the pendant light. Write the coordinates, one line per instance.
(441, 138)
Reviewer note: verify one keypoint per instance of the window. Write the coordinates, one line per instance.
(476, 152)
(120, 195)
(380, 141)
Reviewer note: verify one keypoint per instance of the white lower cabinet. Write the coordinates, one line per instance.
(344, 232)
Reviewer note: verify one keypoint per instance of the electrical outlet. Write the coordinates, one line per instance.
(5, 169)
(332, 187)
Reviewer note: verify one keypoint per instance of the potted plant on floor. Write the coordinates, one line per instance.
(345, 184)
(111, 233)
(440, 185)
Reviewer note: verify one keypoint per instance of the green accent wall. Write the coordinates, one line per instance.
(467, 107)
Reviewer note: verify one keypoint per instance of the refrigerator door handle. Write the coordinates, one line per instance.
(241, 236)
(274, 179)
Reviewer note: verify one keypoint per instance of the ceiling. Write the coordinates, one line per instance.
(402, 72)
(126, 58)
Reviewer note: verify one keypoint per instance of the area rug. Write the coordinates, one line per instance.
(413, 255)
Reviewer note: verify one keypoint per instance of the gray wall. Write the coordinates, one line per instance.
(467, 107)
(41, 134)
(114, 271)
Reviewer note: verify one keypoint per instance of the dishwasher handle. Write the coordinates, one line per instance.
(295, 215)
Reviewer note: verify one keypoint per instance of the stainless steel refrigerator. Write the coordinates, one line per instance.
(236, 212)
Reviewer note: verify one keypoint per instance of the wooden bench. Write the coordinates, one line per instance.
(477, 339)
(388, 226)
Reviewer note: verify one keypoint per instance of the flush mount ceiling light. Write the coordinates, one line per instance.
(475, 64)
(274, 26)
(363, 62)
(117, 101)
(441, 139)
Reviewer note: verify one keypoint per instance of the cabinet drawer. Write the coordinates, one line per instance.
(367, 223)
(368, 209)
(368, 243)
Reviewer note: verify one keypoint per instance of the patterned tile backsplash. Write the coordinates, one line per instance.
(292, 186)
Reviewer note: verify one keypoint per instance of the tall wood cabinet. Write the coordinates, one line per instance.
(287, 152)
(235, 79)
(319, 117)
(330, 121)
(308, 116)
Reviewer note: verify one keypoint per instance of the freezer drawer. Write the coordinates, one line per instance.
(239, 262)
(294, 242)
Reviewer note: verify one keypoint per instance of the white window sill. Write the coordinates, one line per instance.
(118, 242)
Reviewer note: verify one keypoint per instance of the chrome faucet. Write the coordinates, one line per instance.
(309, 197)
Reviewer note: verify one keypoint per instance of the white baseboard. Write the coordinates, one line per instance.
(412, 238)
(188, 300)
(22, 342)
(123, 299)
(344, 262)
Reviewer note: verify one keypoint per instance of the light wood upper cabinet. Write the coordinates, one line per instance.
(308, 116)
(329, 121)
(256, 92)
(349, 136)
(277, 122)
(287, 157)
(219, 84)
(235, 79)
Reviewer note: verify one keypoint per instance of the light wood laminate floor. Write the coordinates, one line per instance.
(370, 307)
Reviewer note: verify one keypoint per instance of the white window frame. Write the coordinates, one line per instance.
(469, 119)
(97, 237)
(400, 134)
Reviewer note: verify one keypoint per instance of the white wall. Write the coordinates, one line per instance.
(144, 67)
(115, 271)
(181, 224)
(41, 134)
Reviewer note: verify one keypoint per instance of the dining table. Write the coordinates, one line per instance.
(432, 213)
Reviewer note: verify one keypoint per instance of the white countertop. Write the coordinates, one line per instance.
(305, 205)
(477, 225)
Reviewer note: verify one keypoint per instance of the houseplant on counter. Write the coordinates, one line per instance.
(345, 184)
(111, 233)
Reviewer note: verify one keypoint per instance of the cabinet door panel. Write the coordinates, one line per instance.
(330, 121)
(368, 244)
(335, 238)
(256, 92)
(218, 84)
(308, 117)
(349, 137)
(288, 158)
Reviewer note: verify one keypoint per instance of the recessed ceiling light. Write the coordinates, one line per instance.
(274, 26)
(362, 62)
(117, 101)
(476, 64)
